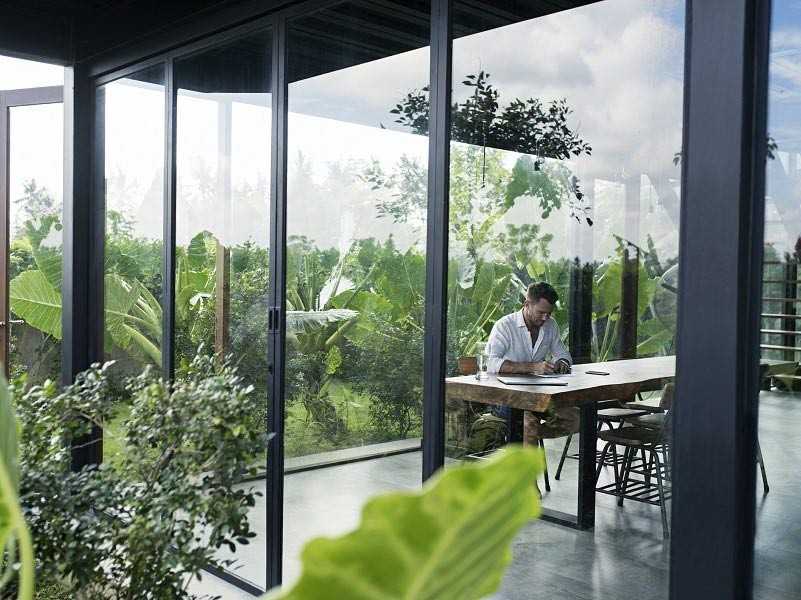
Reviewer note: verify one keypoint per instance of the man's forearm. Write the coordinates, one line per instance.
(510, 367)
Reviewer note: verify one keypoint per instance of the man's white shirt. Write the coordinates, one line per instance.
(510, 340)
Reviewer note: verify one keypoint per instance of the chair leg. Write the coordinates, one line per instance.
(628, 460)
(660, 486)
(601, 463)
(545, 471)
(563, 457)
(765, 486)
(617, 471)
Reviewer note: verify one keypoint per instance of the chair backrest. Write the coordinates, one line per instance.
(667, 396)
(467, 365)
(665, 402)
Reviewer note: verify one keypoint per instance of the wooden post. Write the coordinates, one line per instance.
(222, 284)
(790, 294)
(580, 317)
(222, 304)
(628, 301)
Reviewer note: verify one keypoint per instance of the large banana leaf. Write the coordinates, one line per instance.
(129, 316)
(34, 299)
(374, 314)
(305, 322)
(132, 316)
(461, 269)
(449, 541)
(609, 289)
(47, 258)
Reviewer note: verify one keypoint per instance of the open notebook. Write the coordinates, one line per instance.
(531, 380)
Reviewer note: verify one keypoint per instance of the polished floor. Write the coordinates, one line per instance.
(624, 558)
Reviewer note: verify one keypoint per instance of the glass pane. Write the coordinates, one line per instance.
(134, 176)
(356, 218)
(778, 518)
(564, 174)
(223, 229)
(36, 158)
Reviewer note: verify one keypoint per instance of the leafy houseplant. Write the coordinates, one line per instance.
(144, 527)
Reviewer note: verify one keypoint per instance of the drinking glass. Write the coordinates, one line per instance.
(482, 360)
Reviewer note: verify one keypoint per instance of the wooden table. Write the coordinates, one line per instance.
(626, 378)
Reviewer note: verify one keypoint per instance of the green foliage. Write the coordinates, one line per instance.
(141, 528)
(132, 312)
(390, 369)
(35, 299)
(524, 126)
(449, 541)
(16, 549)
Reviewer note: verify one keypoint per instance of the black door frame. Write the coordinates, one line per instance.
(723, 176)
(720, 256)
(11, 99)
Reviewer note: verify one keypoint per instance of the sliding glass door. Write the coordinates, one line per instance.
(355, 263)
(30, 229)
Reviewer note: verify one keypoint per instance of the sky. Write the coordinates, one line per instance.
(618, 63)
(783, 208)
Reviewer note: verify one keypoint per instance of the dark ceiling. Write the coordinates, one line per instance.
(352, 32)
(64, 31)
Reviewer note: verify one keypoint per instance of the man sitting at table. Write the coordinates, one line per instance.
(520, 343)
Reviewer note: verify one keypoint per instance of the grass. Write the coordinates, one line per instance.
(302, 436)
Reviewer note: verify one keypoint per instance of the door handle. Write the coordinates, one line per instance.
(11, 322)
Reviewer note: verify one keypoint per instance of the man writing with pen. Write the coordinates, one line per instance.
(520, 343)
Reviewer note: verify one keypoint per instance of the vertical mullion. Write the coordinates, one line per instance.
(720, 253)
(97, 186)
(437, 239)
(81, 310)
(4, 228)
(276, 358)
(169, 208)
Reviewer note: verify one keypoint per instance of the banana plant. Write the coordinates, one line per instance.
(132, 313)
(607, 290)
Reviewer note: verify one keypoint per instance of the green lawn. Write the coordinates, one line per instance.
(302, 436)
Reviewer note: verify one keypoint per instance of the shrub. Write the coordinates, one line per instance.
(143, 527)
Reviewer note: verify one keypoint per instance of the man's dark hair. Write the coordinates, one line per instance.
(541, 290)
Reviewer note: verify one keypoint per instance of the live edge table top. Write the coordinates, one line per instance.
(626, 378)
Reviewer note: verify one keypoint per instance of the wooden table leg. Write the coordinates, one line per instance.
(586, 476)
(516, 426)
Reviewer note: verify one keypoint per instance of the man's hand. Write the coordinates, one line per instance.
(542, 368)
(562, 367)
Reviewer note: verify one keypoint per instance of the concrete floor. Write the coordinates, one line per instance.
(625, 557)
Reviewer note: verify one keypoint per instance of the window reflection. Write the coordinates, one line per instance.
(565, 164)
(35, 243)
(356, 215)
(777, 519)
(223, 231)
(133, 109)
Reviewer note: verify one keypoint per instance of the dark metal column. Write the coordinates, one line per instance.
(5, 201)
(717, 366)
(82, 269)
(170, 207)
(437, 239)
(277, 316)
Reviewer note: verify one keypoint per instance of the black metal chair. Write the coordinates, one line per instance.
(646, 481)
(614, 415)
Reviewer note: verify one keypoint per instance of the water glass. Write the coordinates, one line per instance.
(482, 361)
